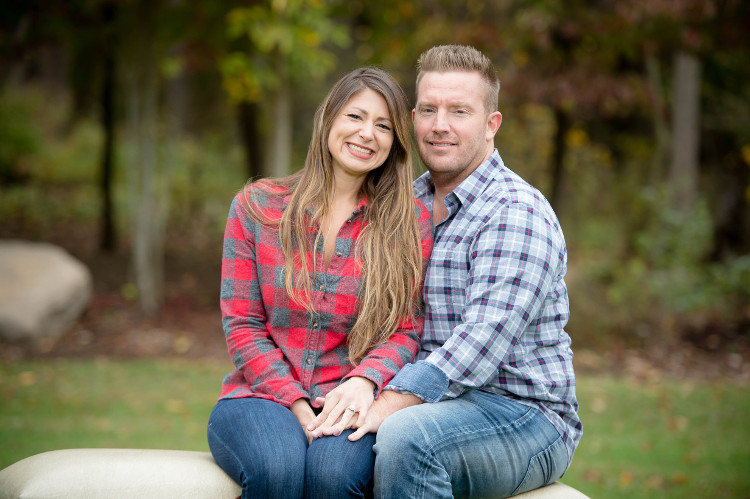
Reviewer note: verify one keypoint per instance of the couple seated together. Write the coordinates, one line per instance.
(394, 337)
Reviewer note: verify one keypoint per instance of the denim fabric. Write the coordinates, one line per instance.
(261, 445)
(477, 445)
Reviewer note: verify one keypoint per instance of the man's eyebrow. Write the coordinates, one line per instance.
(450, 104)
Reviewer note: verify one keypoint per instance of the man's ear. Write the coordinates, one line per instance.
(413, 112)
(493, 124)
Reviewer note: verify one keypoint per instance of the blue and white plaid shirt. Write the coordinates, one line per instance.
(496, 301)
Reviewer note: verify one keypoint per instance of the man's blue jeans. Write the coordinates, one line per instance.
(477, 445)
(261, 445)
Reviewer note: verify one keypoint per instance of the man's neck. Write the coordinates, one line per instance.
(444, 185)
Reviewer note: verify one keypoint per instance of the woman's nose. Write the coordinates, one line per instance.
(365, 131)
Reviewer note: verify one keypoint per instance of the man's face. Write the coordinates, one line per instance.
(454, 132)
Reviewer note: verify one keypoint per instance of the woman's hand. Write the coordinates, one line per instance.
(356, 393)
(305, 415)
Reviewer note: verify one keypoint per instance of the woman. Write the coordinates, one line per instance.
(320, 281)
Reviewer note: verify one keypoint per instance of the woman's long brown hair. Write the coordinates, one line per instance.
(389, 245)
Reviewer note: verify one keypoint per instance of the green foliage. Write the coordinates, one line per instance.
(663, 281)
(61, 188)
(206, 176)
(667, 263)
(18, 140)
(286, 39)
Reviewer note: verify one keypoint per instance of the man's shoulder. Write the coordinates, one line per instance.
(509, 192)
(506, 187)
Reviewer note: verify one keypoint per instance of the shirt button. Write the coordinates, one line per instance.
(338, 253)
(320, 287)
(309, 361)
(315, 325)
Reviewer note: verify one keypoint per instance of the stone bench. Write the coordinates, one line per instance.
(144, 474)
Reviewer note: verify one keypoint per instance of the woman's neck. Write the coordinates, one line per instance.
(346, 191)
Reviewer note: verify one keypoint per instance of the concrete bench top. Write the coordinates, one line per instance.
(144, 474)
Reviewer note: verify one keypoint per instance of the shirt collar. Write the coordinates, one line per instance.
(471, 187)
(359, 209)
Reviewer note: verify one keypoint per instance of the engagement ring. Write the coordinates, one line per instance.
(351, 408)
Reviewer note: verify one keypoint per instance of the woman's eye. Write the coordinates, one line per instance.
(385, 127)
(353, 116)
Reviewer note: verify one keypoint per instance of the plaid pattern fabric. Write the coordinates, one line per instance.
(495, 300)
(281, 351)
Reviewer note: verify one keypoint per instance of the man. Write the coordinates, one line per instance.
(488, 408)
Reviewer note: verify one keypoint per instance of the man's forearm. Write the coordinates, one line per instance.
(386, 404)
(391, 401)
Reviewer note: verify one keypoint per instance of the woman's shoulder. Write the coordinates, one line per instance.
(424, 220)
(421, 210)
(263, 197)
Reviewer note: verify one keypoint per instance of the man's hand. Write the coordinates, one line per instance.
(387, 403)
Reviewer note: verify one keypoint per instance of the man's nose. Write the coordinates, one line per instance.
(440, 123)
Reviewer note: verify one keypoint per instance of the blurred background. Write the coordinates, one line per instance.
(127, 126)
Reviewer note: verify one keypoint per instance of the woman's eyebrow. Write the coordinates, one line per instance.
(362, 111)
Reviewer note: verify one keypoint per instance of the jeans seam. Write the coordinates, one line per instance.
(228, 450)
(536, 457)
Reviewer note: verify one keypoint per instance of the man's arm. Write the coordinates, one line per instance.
(515, 263)
(387, 403)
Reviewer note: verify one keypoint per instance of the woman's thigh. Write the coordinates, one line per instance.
(260, 444)
(337, 467)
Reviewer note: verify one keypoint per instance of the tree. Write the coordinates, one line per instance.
(286, 42)
(108, 233)
(683, 172)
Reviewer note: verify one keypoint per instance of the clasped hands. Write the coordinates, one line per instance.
(346, 406)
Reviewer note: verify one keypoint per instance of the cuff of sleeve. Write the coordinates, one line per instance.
(369, 374)
(423, 379)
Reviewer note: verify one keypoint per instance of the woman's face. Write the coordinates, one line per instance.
(361, 136)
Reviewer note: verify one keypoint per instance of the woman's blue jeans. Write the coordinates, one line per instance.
(261, 445)
(477, 445)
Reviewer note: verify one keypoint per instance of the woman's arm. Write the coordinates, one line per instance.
(263, 367)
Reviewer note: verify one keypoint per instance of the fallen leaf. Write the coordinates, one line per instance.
(27, 378)
(680, 479)
(626, 477)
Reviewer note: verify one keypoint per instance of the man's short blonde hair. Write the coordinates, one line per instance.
(444, 58)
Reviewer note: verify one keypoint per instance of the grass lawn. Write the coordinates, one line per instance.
(658, 439)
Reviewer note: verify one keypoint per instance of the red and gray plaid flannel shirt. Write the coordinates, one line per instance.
(281, 351)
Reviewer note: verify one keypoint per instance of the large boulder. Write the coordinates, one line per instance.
(43, 290)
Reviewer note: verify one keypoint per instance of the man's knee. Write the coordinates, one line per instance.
(399, 434)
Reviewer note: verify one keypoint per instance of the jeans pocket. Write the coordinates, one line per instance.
(544, 468)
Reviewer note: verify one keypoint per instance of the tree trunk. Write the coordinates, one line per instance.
(279, 153)
(247, 118)
(660, 157)
(683, 173)
(562, 119)
(108, 235)
(144, 182)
